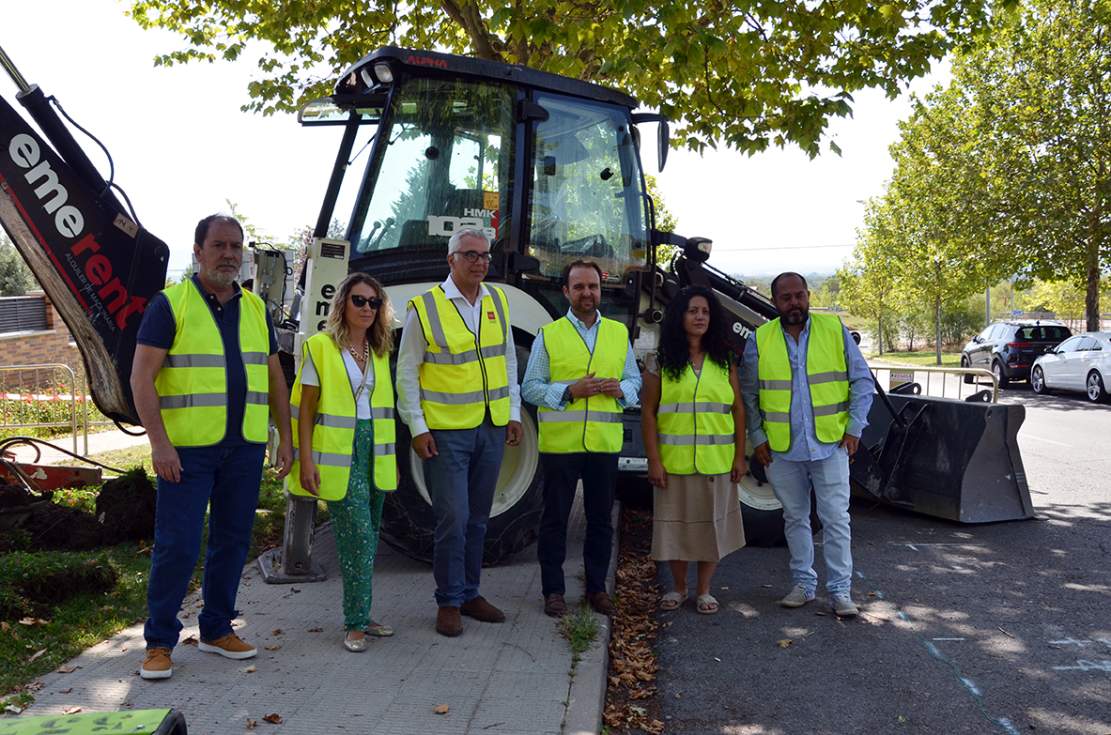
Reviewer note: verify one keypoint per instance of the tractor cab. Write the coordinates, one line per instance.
(547, 166)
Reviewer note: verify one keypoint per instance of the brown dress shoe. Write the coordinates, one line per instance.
(601, 603)
(448, 622)
(555, 606)
(481, 610)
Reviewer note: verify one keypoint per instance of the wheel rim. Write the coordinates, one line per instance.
(1094, 387)
(1036, 380)
(518, 467)
(997, 369)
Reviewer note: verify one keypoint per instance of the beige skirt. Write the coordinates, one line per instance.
(697, 518)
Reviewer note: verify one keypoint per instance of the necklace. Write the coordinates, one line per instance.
(363, 357)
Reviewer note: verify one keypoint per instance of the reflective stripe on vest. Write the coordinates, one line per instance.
(462, 374)
(591, 424)
(826, 374)
(333, 434)
(192, 382)
(695, 421)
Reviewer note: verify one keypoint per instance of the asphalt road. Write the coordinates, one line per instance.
(1000, 628)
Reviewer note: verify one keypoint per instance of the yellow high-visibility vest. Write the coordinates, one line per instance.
(463, 374)
(826, 373)
(192, 383)
(593, 423)
(333, 434)
(695, 421)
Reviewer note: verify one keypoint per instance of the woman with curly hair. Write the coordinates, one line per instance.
(343, 424)
(694, 434)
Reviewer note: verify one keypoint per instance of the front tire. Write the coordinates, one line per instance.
(968, 379)
(1094, 388)
(1037, 381)
(408, 524)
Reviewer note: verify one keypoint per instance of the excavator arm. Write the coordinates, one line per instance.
(97, 265)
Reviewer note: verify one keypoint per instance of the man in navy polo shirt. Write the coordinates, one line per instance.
(205, 379)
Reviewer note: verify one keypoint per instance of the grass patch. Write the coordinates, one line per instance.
(125, 459)
(580, 628)
(65, 629)
(921, 358)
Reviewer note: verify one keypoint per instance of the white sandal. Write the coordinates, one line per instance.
(672, 601)
(707, 604)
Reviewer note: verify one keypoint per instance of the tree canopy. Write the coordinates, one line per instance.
(1005, 172)
(747, 74)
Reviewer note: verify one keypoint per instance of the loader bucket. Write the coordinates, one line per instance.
(951, 459)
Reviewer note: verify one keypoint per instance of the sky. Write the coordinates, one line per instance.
(182, 148)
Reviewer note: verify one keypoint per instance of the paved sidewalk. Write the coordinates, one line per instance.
(515, 677)
(101, 441)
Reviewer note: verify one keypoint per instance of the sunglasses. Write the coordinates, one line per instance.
(360, 301)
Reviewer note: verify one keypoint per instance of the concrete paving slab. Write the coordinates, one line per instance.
(508, 678)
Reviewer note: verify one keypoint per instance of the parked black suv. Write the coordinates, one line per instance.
(1008, 349)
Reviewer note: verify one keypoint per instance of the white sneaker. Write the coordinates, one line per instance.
(843, 606)
(797, 597)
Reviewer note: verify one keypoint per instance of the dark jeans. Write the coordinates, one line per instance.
(561, 476)
(228, 479)
(461, 480)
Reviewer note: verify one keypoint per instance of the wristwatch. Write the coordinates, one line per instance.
(567, 397)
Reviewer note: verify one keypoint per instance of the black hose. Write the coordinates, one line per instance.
(33, 442)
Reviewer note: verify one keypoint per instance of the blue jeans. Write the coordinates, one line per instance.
(791, 482)
(228, 479)
(461, 480)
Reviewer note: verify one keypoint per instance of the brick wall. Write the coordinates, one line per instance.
(53, 345)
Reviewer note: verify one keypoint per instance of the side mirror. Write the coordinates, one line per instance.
(977, 339)
(663, 143)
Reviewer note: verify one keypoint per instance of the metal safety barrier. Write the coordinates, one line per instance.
(43, 383)
(956, 392)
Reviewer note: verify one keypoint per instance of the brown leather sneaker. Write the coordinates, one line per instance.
(481, 610)
(157, 664)
(448, 622)
(601, 603)
(555, 606)
(229, 646)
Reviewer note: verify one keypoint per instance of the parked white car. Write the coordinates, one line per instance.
(1081, 363)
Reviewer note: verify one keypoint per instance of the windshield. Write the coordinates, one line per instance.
(446, 165)
(586, 192)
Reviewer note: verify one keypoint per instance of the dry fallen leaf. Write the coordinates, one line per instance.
(67, 669)
(440, 709)
(4, 626)
(784, 643)
(190, 641)
(70, 710)
(276, 631)
(250, 669)
(33, 621)
(272, 647)
(273, 718)
(36, 654)
(251, 724)
(67, 690)
(316, 630)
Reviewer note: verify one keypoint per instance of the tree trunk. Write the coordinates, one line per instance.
(879, 334)
(1091, 298)
(937, 327)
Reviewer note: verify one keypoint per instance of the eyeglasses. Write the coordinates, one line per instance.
(473, 256)
(360, 301)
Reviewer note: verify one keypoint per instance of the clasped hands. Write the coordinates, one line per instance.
(590, 386)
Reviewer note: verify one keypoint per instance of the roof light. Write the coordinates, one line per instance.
(384, 73)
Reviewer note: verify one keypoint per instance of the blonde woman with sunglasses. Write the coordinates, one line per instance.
(343, 428)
